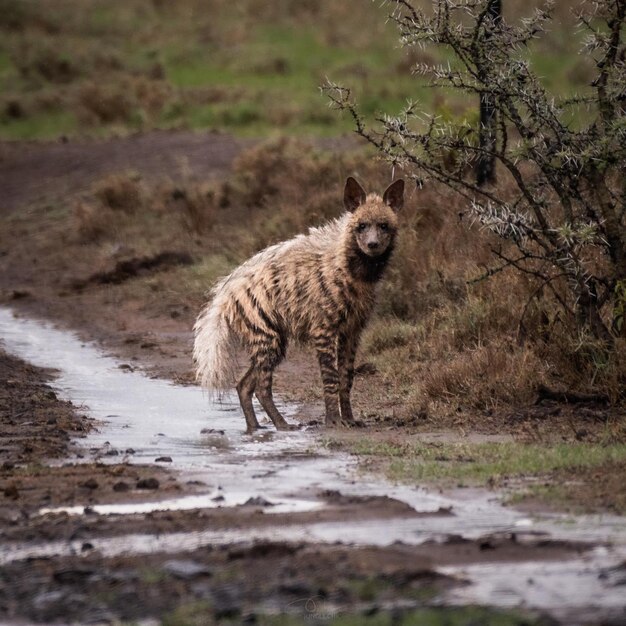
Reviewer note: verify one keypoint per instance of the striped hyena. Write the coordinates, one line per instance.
(317, 288)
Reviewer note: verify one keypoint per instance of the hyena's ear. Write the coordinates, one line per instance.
(394, 195)
(353, 195)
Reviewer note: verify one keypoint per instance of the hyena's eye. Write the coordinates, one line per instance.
(383, 226)
(361, 227)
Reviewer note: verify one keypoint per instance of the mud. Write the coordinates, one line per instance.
(131, 268)
(223, 488)
(72, 569)
(232, 583)
(36, 424)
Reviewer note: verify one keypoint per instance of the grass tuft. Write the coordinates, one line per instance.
(483, 463)
(120, 192)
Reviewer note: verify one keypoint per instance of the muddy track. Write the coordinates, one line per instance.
(274, 489)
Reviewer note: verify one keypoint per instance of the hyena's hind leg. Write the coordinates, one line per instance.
(264, 395)
(245, 389)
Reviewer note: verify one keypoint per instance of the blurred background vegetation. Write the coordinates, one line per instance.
(252, 67)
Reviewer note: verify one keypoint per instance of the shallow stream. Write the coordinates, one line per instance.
(143, 418)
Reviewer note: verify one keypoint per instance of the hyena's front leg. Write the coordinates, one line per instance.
(346, 351)
(326, 347)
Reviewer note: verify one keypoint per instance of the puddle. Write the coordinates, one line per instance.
(572, 590)
(187, 503)
(154, 418)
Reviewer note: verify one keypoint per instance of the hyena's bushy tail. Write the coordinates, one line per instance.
(214, 350)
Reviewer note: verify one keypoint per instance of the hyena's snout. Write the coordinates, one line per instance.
(374, 242)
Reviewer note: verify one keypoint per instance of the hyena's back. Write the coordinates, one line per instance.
(293, 290)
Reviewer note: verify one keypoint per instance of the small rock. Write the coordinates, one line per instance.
(226, 601)
(366, 369)
(45, 600)
(258, 501)
(297, 588)
(129, 451)
(163, 459)
(614, 576)
(212, 431)
(100, 615)
(90, 483)
(147, 483)
(121, 486)
(444, 510)
(9, 517)
(331, 494)
(111, 452)
(186, 570)
(18, 294)
(11, 492)
(72, 575)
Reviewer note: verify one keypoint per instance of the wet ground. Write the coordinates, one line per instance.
(227, 506)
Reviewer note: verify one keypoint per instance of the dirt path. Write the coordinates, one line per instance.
(44, 171)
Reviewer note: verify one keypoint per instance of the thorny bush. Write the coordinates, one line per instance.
(558, 208)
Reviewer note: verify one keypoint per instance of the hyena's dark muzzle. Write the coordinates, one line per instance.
(374, 239)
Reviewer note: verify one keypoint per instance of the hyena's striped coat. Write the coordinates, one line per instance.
(317, 288)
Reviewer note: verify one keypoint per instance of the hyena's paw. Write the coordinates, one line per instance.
(352, 423)
(256, 429)
(333, 422)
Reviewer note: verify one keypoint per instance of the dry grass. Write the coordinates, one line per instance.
(441, 343)
(91, 221)
(439, 337)
(196, 204)
(104, 103)
(120, 192)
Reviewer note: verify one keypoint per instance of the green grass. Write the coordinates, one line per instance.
(44, 125)
(264, 66)
(389, 333)
(200, 614)
(196, 278)
(481, 463)
(197, 613)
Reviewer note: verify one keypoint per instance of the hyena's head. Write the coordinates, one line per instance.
(374, 221)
